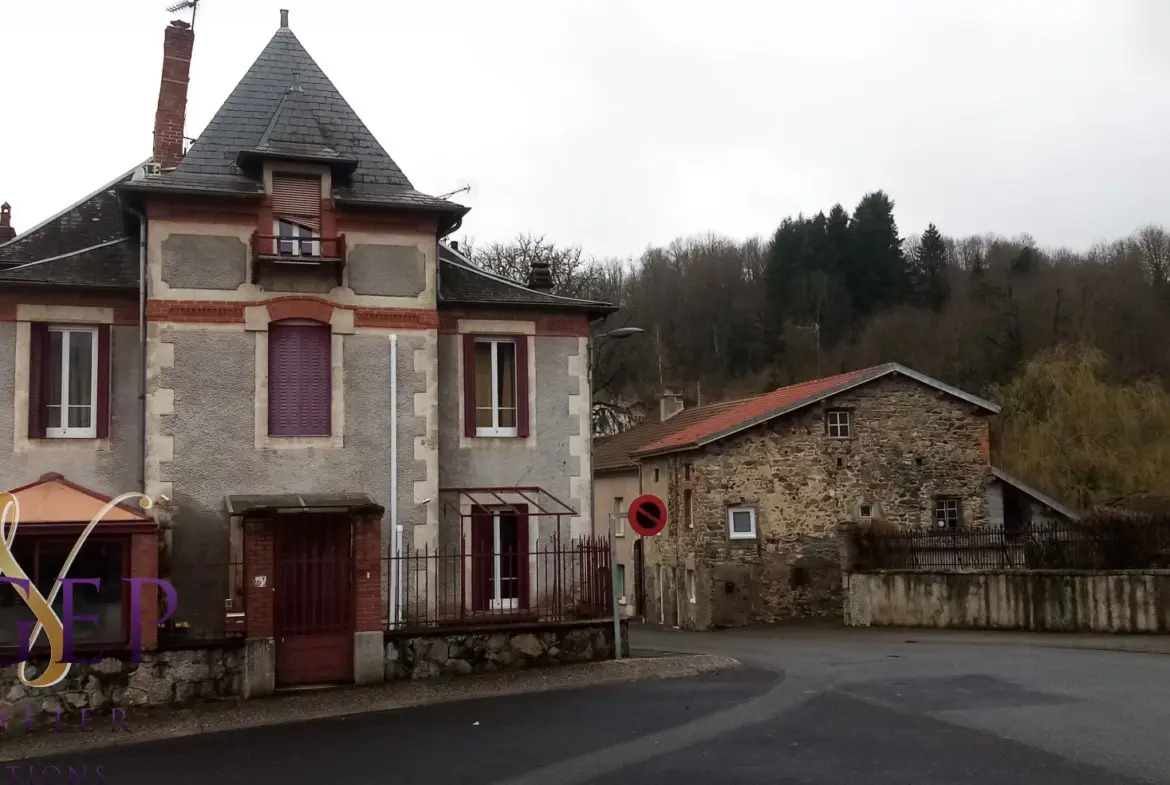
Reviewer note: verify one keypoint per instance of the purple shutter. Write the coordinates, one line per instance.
(299, 379)
(38, 359)
(316, 380)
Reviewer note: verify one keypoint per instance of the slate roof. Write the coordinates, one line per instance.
(285, 105)
(462, 283)
(86, 244)
(761, 408)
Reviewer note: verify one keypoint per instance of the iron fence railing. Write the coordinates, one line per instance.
(1099, 544)
(454, 587)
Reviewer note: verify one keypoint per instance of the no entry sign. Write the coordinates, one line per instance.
(647, 515)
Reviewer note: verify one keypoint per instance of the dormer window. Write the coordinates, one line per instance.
(296, 212)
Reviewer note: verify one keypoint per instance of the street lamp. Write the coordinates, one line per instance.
(613, 335)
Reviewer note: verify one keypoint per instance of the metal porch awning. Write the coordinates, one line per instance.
(267, 506)
(537, 500)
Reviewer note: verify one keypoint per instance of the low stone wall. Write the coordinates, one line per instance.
(492, 650)
(1128, 601)
(162, 678)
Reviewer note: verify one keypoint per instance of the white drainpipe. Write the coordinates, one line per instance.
(395, 529)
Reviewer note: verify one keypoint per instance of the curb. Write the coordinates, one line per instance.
(604, 673)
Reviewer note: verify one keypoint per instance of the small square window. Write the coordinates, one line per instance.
(866, 511)
(948, 512)
(741, 523)
(839, 423)
(691, 586)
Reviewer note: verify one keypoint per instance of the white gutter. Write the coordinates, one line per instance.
(395, 529)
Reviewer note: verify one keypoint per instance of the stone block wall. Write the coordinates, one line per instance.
(457, 654)
(161, 679)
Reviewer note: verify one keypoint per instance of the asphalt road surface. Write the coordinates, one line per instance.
(807, 709)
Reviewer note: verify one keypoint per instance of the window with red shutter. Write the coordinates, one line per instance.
(69, 382)
(300, 378)
(495, 385)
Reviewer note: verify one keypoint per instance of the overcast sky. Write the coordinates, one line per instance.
(617, 124)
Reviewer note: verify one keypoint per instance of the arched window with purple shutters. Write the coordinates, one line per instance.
(300, 378)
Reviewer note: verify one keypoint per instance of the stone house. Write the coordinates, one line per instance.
(756, 488)
(267, 333)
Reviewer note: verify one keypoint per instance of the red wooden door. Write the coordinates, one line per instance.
(314, 602)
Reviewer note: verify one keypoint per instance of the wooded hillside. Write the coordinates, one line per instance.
(1074, 344)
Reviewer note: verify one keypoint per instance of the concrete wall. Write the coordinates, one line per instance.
(1051, 601)
(554, 457)
(606, 489)
(111, 466)
(910, 444)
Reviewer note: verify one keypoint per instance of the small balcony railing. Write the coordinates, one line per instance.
(274, 253)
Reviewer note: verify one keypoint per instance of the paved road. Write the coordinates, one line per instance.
(809, 708)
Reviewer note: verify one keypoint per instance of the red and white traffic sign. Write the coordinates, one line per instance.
(647, 515)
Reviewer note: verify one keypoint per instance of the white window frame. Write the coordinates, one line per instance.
(731, 532)
(691, 593)
(619, 516)
(66, 432)
(497, 601)
(842, 421)
(496, 429)
(865, 511)
(299, 240)
(621, 572)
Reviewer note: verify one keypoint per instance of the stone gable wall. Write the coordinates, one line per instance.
(909, 444)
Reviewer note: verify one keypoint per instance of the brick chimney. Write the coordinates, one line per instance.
(6, 230)
(171, 115)
(540, 277)
(670, 403)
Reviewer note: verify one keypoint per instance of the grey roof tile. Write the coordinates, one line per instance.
(86, 244)
(462, 283)
(263, 115)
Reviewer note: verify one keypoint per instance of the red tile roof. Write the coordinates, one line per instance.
(761, 408)
(613, 454)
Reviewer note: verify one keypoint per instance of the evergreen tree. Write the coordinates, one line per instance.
(878, 274)
(930, 269)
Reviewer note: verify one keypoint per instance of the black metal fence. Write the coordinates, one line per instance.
(1103, 542)
(453, 587)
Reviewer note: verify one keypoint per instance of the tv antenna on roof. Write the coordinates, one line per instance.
(183, 5)
(464, 189)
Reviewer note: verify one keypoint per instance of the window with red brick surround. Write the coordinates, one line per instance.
(69, 381)
(495, 385)
(300, 378)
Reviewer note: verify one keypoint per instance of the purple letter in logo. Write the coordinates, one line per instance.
(136, 610)
(25, 627)
(67, 585)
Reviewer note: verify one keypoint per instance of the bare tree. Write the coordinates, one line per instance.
(573, 275)
(1152, 246)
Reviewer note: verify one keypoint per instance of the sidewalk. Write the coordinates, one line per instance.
(160, 723)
